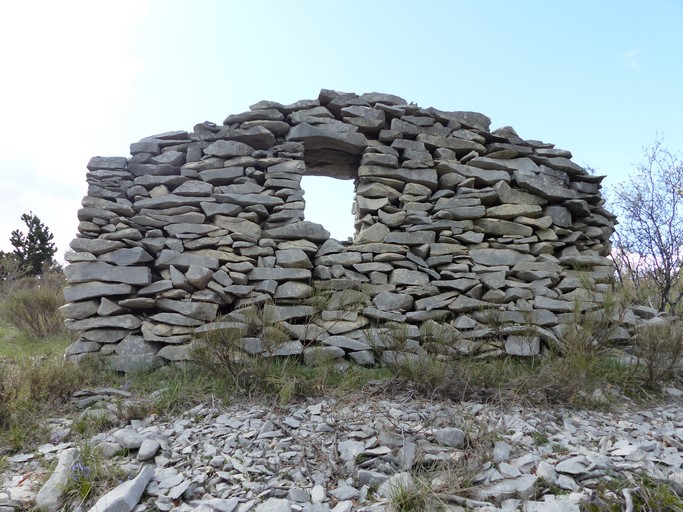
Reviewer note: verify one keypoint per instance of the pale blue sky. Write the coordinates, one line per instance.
(82, 78)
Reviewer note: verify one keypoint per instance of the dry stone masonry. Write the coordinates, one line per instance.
(472, 240)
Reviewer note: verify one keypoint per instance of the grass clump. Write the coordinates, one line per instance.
(32, 389)
(31, 305)
(90, 476)
(410, 492)
(171, 389)
(639, 493)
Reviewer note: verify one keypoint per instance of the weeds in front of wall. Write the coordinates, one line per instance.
(578, 365)
(427, 370)
(581, 368)
(222, 352)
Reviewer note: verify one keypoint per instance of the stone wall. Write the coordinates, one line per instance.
(479, 236)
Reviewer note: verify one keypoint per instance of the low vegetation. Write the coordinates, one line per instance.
(30, 306)
(580, 367)
(639, 493)
(91, 475)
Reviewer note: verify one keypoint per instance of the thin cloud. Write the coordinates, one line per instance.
(68, 70)
(630, 58)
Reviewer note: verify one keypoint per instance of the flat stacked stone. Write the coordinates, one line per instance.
(455, 225)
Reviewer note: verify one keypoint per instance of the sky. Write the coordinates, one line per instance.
(84, 78)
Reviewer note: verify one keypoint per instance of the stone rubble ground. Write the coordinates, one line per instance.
(331, 455)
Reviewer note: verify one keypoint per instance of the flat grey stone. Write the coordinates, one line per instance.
(184, 260)
(128, 438)
(171, 201)
(199, 276)
(498, 257)
(450, 436)
(299, 230)
(79, 310)
(50, 497)
(390, 301)
(110, 322)
(148, 449)
(426, 177)
(510, 211)
(507, 194)
(107, 162)
(87, 272)
(126, 257)
(347, 343)
(228, 149)
(521, 487)
(573, 466)
(371, 477)
(221, 176)
(199, 310)
(283, 313)
(268, 114)
(375, 233)
(500, 227)
(288, 348)
(293, 290)
(249, 199)
(257, 137)
(293, 258)
(175, 352)
(316, 356)
(275, 505)
(279, 274)
(211, 209)
(403, 276)
(126, 496)
(315, 137)
(545, 187)
(345, 492)
(82, 347)
(245, 228)
(522, 345)
(89, 290)
(176, 319)
(554, 305)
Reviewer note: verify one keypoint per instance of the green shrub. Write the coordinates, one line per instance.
(658, 345)
(31, 306)
(30, 389)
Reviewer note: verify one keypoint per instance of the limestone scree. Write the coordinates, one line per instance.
(466, 240)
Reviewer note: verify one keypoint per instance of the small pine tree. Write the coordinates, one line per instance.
(35, 250)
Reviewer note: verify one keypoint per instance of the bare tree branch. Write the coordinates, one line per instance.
(648, 243)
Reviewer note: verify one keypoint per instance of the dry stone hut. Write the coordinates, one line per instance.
(456, 227)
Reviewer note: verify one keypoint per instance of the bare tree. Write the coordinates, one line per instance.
(648, 243)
